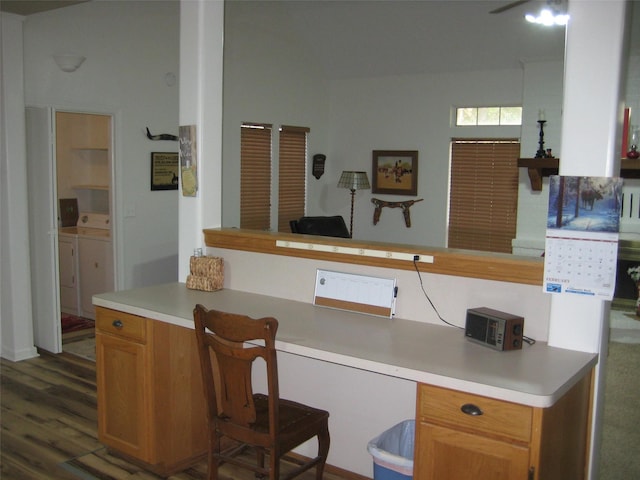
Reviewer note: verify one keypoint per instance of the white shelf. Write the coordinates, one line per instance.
(90, 187)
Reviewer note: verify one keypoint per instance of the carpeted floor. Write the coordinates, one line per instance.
(621, 420)
(78, 336)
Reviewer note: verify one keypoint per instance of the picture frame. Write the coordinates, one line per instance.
(394, 172)
(164, 170)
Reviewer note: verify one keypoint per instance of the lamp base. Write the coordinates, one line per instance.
(353, 196)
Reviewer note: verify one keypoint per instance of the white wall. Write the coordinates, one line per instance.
(543, 91)
(130, 47)
(201, 34)
(405, 113)
(16, 331)
(268, 78)
(294, 279)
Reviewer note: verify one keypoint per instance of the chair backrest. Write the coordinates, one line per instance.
(226, 363)
(328, 226)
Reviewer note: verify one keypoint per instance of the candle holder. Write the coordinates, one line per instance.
(541, 153)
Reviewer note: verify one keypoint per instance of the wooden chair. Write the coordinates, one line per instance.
(269, 424)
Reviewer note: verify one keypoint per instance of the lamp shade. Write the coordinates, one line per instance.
(354, 180)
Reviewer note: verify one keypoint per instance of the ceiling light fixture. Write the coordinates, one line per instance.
(552, 14)
(68, 62)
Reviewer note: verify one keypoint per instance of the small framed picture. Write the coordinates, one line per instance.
(395, 172)
(164, 171)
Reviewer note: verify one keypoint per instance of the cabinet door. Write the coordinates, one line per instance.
(122, 385)
(66, 255)
(447, 454)
(68, 276)
(96, 271)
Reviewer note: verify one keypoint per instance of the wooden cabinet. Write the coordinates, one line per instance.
(151, 406)
(464, 436)
(85, 130)
(83, 158)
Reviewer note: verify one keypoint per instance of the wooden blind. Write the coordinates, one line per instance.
(483, 198)
(255, 176)
(292, 175)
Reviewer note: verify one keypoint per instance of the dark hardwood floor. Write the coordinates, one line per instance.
(49, 426)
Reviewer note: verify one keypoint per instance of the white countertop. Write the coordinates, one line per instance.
(537, 375)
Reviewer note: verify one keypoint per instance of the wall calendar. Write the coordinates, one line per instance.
(581, 244)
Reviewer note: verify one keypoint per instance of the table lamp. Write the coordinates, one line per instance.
(353, 181)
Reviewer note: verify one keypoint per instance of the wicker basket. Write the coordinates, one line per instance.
(207, 273)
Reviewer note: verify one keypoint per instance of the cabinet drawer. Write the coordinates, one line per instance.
(122, 324)
(444, 406)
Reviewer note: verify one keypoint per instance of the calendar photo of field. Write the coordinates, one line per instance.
(395, 172)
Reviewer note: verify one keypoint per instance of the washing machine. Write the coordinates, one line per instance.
(93, 261)
(68, 271)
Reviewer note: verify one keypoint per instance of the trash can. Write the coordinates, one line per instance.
(392, 452)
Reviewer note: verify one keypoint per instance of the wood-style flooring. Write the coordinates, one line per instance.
(49, 420)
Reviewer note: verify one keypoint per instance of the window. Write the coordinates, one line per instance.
(483, 194)
(292, 175)
(476, 116)
(255, 176)
(257, 188)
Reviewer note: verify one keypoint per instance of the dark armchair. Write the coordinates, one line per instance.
(327, 226)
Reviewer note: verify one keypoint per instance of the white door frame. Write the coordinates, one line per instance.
(43, 221)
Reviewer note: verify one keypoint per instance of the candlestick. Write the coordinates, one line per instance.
(541, 153)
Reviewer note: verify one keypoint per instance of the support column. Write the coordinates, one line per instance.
(595, 59)
(201, 49)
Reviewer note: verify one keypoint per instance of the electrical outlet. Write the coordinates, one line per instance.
(129, 211)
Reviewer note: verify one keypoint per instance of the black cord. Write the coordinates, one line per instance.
(528, 340)
(415, 265)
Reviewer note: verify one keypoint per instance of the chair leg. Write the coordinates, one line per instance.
(324, 441)
(213, 459)
(260, 457)
(274, 464)
(259, 461)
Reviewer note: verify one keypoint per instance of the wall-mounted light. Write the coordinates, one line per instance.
(68, 62)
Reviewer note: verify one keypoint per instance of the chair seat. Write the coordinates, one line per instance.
(292, 414)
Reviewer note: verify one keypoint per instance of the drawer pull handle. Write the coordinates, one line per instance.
(471, 409)
(117, 323)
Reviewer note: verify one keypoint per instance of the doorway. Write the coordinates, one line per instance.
(83, 173)
(70, 170)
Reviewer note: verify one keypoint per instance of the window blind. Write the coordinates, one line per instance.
(292, 175)
(483, 194)
(255, 176)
